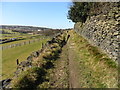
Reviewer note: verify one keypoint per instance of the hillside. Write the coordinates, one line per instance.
(84, 57)
(6, 29)
(15, 27)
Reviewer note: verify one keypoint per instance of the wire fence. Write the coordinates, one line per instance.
(25, 42)
(20, 44)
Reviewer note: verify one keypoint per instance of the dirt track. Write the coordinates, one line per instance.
(66, 71)
(73, 66)
(77, 67)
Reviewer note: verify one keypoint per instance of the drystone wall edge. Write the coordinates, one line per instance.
(103, 31)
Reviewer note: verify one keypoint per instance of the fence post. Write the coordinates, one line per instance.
(17, 61)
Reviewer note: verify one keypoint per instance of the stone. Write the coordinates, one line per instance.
(25, 64)
(29, 58)
(5, 82)
(35, 54)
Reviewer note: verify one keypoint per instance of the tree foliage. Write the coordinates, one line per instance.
(79, 11)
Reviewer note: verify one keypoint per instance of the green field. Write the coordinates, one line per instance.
(23, 37)
(10, 55)
(10, 34)
(24, 40)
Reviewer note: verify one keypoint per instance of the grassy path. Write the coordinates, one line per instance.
(88, 66)
(83, 66)
(73, 66)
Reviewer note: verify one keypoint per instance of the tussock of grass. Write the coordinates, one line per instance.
(29, 78)
(54, 45)
(54, 50)
(51, 54)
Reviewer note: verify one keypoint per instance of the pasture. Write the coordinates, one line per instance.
(9, 55)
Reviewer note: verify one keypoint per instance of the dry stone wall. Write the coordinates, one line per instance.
(103, 31)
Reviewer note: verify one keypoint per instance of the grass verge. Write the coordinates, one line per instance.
(96, 69)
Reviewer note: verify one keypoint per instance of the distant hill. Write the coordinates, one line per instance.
(32, 29)
(24, 28)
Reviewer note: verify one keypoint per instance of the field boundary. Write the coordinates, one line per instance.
(19, 44)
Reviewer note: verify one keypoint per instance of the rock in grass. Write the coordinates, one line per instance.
(29, 58)
(35, 54)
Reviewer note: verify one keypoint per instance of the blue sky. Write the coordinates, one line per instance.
(43, 14)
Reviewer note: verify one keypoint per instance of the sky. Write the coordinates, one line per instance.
(42, 14)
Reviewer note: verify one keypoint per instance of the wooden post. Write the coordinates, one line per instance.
(17, 61)
(68, 37)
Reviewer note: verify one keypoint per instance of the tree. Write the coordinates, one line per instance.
(79, 11)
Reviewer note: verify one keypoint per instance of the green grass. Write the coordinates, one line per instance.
(9, 31)
(94, 51)
(10, 35)
(26, 38)
(14, 34)
(97, 70)
(10, 55)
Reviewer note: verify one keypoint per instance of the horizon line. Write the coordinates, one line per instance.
(32, 26)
